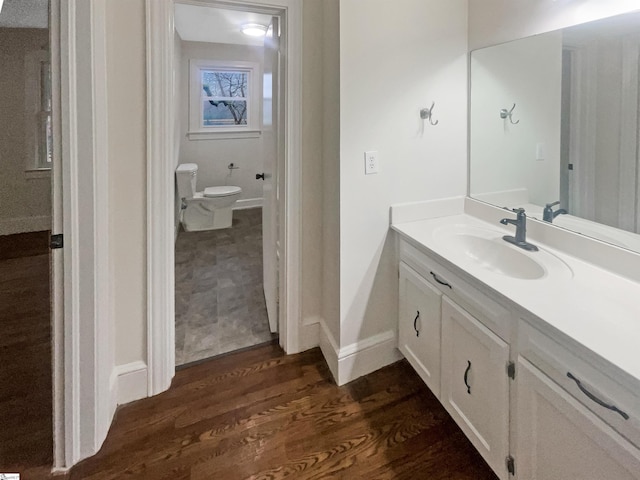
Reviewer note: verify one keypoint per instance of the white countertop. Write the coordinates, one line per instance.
(597, 308)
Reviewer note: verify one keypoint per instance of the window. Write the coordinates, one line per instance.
(38, 113)
(45, 136)
(224, 100)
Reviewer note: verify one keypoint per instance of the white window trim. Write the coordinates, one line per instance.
(253, 127)
(32, 61)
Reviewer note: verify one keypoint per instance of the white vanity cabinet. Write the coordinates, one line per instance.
(558, 438)
(536, 405)
(457, 353)
(475, 385)
(573, 421)
(419, 326)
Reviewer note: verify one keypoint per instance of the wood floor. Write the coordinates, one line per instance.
(257, 414)
(25, 353)
(261, 415)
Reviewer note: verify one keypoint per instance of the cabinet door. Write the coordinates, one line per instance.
(475, 384)
(419, 326)
(558, 438)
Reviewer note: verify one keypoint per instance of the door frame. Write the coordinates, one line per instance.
(84, 397)
(161, 190)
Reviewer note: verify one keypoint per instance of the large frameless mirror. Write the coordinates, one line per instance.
(555, 128)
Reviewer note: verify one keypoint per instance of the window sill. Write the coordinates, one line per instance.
(224, 135)
(37, 173)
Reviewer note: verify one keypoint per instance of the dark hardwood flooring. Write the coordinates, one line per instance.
(256, 414)
(260, 414)
(24, 245)
(25, 353)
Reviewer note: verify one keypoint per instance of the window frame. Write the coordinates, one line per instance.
(198, 131)
(36, 114)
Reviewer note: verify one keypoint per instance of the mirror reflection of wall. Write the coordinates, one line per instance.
(505, 168)
(576, 143)
(601, 112)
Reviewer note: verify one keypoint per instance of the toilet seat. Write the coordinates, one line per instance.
(223, 191)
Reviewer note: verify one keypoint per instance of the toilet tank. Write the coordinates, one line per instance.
(186, 178)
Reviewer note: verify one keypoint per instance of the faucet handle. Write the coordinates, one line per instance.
(549, 205)
(519, 211)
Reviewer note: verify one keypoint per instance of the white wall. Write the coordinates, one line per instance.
(331, 167)
(126, 90)
(497, 21)
(395, 58)
(214, 156)
(527, 72)
(312, 185)
(25, 203)
(127, 143)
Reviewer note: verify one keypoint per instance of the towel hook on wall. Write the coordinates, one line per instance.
(504, 114)
(427, 114)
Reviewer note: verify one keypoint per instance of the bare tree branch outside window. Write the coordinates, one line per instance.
(225, 95)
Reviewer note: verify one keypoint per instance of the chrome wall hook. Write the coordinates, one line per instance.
(504, 114)
(427, 114)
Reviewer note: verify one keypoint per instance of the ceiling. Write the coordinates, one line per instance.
(216, 25)
(25, 14)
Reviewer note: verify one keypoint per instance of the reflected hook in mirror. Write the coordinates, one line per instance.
(427, 114)
(504, 114)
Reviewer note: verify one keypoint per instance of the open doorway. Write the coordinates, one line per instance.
(26, 156)
(228, 146)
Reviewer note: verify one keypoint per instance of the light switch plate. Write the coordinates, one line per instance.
(371, 163)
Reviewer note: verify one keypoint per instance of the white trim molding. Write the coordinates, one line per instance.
(160, 196)
(130, 382)
(247, 203)
(360, 358)
(310, 333)
(160, 180)
(82, 332)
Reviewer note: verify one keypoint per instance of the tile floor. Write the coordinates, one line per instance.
(220, 303)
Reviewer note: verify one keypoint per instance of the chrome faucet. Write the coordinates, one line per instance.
(548, 214)
(520, 240)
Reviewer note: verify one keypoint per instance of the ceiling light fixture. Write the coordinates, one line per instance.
(254, 29)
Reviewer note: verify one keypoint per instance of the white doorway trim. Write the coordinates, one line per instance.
(160, 178)
(83, 345)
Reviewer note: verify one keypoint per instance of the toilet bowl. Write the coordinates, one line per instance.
(211, 209)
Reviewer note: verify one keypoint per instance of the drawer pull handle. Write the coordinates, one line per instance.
(441, 282)
(466, 377)
(415, 323)
(592, 397)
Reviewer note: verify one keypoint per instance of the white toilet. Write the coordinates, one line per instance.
(211, 209)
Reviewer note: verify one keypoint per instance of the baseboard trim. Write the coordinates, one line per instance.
(360, 358)
(248, 203)
(309, 333)
(329, 349)
(131, 382)
(366, 356)
(11, 226)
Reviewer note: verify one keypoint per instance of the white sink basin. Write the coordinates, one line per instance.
(487, 249)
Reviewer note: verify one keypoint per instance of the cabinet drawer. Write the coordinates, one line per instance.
(614, 403)
(493, 315)
(557, 438)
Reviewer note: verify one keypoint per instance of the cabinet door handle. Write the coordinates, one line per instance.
(466, 377)
(415, 323)
(595, 399)
(441, 282)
